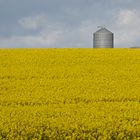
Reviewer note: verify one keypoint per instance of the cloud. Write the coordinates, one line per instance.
(47, 35)
(126, 27)
(33, 22)
(41, 40)
(128, 18)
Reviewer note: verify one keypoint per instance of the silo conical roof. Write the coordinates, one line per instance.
(103, 31)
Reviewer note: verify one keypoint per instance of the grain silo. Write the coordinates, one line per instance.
(103, 38)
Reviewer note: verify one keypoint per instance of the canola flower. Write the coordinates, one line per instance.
(69, 94)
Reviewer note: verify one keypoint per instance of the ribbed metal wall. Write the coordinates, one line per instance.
(103, 38)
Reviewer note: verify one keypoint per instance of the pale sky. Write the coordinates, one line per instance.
(67, 23)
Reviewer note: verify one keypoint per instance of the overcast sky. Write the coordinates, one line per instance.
(67, 23)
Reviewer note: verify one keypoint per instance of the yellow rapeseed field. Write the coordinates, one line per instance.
(69, 94)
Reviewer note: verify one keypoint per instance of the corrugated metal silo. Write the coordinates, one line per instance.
(103, 38)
